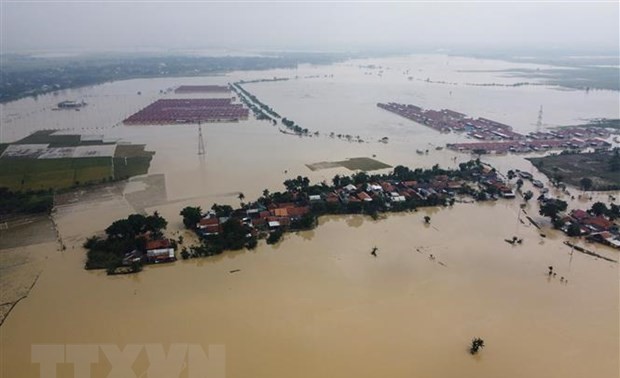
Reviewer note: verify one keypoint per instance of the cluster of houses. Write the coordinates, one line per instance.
(496, 137)
(596, 228)
(390, 192)
(384, 194)
(257, 217)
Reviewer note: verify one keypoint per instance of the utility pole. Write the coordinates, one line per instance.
(201, 142)
(539, 122)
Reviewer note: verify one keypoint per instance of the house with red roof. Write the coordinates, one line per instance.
(159, 251)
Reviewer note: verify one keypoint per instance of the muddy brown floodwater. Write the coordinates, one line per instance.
(317, 304)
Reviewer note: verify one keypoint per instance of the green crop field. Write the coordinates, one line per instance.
(43, 174)
(571, 168)
(22, 174)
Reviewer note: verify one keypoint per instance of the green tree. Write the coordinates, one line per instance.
(191, 216)
(360, 178)
(614, 162)
(336, 181)
(599, 208)
(614, 211)
(155, 224)
(275, 236)
(476, 344)
(222, 210)
(586, 183)
(519, 184)
(552, 208)
(573, 230)
(528, 195)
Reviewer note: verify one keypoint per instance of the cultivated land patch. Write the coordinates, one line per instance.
(573, 167)
(46, 160)
(353, 164)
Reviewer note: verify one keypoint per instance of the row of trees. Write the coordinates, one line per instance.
(30, 202)
(267, 109)
(291, 125)
(599, 208)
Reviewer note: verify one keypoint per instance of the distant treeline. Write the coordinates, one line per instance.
(23, 76)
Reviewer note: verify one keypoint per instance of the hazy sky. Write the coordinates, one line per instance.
(130, 25)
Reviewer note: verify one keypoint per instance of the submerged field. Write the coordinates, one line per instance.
(352, 164)
(572, 168)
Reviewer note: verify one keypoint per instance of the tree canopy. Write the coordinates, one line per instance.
(551, 208)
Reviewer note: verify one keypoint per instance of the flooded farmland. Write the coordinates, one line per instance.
(318, 304)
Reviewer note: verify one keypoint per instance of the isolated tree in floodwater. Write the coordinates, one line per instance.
(427, 219)
(476, 344)
(551, 208)
(586, 183)
(241, 196)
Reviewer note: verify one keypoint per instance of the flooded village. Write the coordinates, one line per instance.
(381, 254)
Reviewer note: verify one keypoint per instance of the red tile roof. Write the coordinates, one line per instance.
(599, 222)
(363, 196)
(209, 221)
(157, 244)
(579, 214)
(298, 211)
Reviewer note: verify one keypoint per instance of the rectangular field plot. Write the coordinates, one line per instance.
(173, 111)
(353, 164)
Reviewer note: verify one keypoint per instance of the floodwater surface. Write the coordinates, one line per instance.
(318, 304)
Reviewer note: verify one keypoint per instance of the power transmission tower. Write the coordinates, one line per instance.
(201, 142)
(539, 122)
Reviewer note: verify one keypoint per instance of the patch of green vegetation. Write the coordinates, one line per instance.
(23, 174)
(363, 164)
(44, 174)
(123, 236)
(599, 167)
(24, 76)
(131, 150)
(359, 163)
(128, 167)
(25, 203)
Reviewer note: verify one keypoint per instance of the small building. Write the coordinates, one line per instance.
(209, 226)
(159, 251)
(364, 197)
(598, 224)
